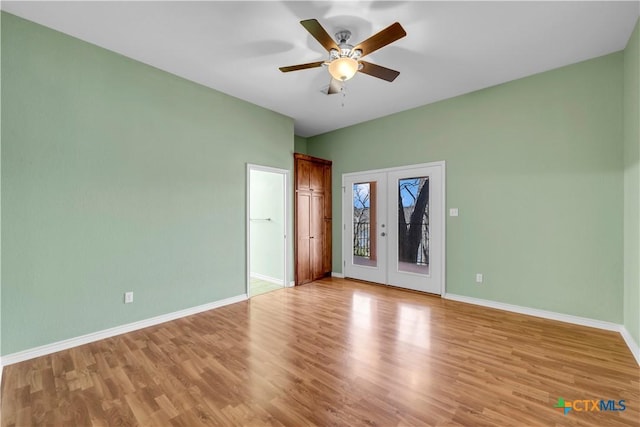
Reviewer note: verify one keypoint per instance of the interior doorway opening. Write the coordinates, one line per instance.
(266, 229)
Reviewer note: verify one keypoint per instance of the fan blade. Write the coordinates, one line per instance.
(378, 71)
(320, 34)
(301, 66)
(335, 86)
(390, 34)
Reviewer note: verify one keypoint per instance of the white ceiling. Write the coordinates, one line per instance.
(451, 48)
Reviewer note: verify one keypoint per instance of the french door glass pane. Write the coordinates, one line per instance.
(364, 224)
(413, 225)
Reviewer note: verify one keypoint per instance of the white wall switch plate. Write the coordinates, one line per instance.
(128, 297)
(479, 278)
(453, 212)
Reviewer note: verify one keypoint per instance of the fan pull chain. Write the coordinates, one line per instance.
(343, 89)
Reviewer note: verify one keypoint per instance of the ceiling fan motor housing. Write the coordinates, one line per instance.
(346, 50)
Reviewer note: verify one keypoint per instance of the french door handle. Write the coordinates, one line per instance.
(383, 234)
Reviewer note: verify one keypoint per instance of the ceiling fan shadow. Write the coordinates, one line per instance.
(259, 48)
(386, 5)
(308, 9)
(360, 28)
(320, 82)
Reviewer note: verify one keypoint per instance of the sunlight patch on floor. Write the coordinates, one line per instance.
(259, 286)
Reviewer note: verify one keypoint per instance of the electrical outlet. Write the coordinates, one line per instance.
(479, 278)
(128, 297)
(453, 212)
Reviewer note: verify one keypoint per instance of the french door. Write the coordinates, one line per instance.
(393, 226)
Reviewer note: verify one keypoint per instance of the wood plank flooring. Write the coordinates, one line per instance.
(333, 352)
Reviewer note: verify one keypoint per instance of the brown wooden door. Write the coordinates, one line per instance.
(303, 238)
(303, 174)
(327, 228)
(313, 218)
(326, 187)
(317, 235)
(326, 246)
(316, 178)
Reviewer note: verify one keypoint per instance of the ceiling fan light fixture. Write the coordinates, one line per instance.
(344, 59)
(343, 68)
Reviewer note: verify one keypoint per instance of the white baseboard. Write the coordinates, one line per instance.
(567, 318)
(32, 353)
(267, 278)
(338, 275)
(576, 320)
(633, 346)
(292, 284)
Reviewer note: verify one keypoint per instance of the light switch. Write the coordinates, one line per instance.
(453, 212)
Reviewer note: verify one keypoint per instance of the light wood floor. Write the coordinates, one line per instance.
(332, 352)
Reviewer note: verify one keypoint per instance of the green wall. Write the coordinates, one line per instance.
(535, 168)
(267, 201)
(117, 176)
(300, 144)
(632, 185)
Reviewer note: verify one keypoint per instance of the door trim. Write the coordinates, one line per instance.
(442, 165)
(371, 273)
(285, 248)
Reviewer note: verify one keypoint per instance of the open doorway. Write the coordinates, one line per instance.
(266, 229)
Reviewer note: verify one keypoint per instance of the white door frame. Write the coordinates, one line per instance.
(285, 244)
(372, 273)
(408, 168)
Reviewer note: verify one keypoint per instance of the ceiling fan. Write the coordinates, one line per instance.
(344, 59)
